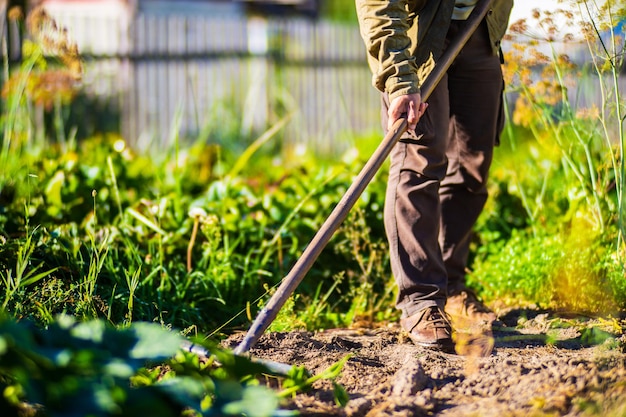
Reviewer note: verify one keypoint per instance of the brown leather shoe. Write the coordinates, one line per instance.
(466, 311)
(429, 328)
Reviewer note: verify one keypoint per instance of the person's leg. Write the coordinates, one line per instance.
(412, 208)
(412, 211)
(475, 85)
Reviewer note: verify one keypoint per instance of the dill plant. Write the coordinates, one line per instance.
(563, 174)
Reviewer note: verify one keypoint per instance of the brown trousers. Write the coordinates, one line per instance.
(437, 177)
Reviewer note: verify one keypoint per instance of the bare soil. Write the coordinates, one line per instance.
(536, 364)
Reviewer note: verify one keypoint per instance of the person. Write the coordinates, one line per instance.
(438, 170)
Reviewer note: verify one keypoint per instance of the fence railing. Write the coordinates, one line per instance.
(174, 74)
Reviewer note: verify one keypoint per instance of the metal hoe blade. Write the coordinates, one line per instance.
(277, 368)
(268, 313)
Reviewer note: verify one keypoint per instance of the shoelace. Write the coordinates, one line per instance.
(437, 319)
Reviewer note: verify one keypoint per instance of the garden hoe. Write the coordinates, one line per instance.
(268, 313)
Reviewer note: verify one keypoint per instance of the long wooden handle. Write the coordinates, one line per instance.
(309, 256)
(268, 313)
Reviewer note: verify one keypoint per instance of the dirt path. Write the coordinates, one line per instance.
(538, 364)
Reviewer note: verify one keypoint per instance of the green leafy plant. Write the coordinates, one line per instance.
(93, 368)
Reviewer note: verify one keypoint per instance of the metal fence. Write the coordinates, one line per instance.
(178, 74)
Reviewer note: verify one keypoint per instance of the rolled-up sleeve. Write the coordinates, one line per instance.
(385, 29)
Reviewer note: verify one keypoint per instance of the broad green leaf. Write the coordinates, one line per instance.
(186, 391)
(256, 401)
(93, 330)
(119, 369)
(105, 399)
(154, 342)
(53, 189)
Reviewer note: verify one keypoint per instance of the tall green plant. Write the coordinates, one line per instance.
(606, 47)
(565, 168)
(546, 105)
(38, 84)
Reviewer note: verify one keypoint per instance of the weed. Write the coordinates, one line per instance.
(25, 274)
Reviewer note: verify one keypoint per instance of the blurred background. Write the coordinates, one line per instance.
(159, 70)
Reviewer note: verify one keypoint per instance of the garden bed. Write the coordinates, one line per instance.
(541, 364)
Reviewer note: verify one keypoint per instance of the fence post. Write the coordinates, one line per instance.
(255, 109)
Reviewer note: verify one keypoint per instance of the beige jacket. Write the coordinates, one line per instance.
(405, 38)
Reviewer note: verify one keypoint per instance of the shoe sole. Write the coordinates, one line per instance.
(447, 345)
